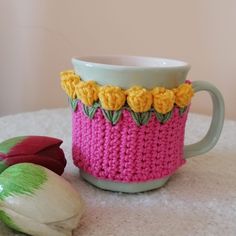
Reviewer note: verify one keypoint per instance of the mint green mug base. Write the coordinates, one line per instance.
(124, 187)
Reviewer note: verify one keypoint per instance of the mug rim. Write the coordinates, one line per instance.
(135, 62)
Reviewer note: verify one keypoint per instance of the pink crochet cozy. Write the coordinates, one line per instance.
(126, 152)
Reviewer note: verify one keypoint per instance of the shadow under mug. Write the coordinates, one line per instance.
(126, 157)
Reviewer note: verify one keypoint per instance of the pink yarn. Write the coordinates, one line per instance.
(126, 152)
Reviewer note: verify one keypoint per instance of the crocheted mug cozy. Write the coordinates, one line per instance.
(127, 136)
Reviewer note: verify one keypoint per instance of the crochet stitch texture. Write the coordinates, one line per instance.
(126, 152)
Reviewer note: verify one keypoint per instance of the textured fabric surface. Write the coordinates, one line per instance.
(126, 152)
(199, 199)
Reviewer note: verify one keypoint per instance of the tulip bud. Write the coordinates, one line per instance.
(112, 98)
(44, 151)
(36, 201)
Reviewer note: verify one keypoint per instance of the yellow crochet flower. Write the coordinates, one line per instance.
(87, 92)
(67, 74)
(68, 82)
(139, 99)
(183, 95)
(163, 99)
(112, 98)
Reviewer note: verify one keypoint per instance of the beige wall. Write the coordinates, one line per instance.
(38, 38)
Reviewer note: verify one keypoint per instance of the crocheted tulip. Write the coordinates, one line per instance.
(87, 92)
(44, 151)
(139, 99)
(112, 98)
(163, 100)
(68, 82)
(36, 201)
(67, 74)
(183, 95)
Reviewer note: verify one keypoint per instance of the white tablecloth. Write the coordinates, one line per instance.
(199, 199)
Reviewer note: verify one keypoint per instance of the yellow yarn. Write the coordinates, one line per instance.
(183, 95)
(67, 74)
(87, 92)
(68, 82)
(112, 98)
(139, 99)
(163, 100)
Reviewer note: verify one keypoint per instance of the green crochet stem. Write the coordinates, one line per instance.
(140, 118)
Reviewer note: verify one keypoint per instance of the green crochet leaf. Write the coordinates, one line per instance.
(182, 110)
(90, 111)
(136, 117)
(145, 117)
(116, 116)
(107, 115)
(159, 116)
(141, 118)
(85, 110)
(163, 118)
(73, 104)
(112, 116)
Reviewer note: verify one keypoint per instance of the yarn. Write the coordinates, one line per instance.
(87, 92)
(163, 99)
(126, 152)
(139, 99)
(69, 80)
(112, 98)
(183, 94)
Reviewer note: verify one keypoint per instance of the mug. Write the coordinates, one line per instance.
(129, 116)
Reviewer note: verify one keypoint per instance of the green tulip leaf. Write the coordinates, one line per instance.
(108, 115)
(90, 111)
(86, 110)
(73, 104)
(116, 116)
(163, 118)
(182, 110)
(112, 116)
(136, 117)
(141, 118)
(159, 116)
(145, 117)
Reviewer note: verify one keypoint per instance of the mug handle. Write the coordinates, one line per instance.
(213, 134)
